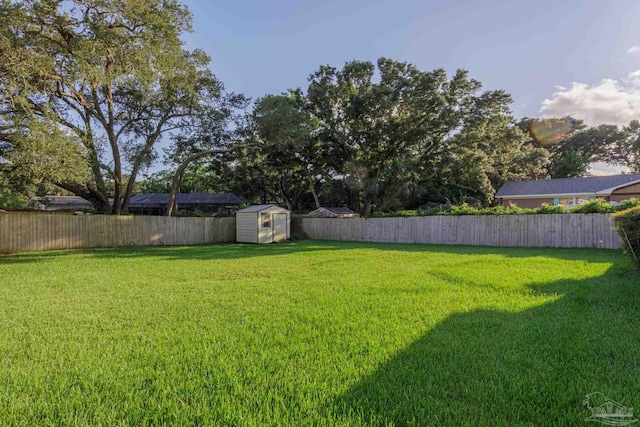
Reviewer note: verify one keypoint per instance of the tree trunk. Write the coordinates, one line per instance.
(179, 176)
(99, 200)
(146, 151)
(129, 190)
(389, 199)
(175, 185)
(312, 187)
(283, 194)
(367, 208)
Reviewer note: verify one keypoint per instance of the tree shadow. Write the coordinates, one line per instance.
(532, 367)
(239, 250)
(218, 251)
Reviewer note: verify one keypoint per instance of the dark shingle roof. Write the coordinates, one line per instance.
(587, 185)
(161, 199)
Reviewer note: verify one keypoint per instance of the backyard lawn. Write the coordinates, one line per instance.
(316, 333)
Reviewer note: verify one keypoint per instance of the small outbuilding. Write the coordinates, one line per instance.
(334, 212)
(263, 224)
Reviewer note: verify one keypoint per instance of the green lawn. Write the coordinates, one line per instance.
(316, 333)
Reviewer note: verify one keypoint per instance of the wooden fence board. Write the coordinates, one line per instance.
(23, 231)
(554, 230)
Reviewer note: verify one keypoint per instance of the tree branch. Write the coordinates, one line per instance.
(177, 179)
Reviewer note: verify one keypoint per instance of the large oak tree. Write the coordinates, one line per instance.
(390, 126)
(89, 88)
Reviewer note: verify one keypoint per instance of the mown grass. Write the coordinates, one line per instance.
(316, 333)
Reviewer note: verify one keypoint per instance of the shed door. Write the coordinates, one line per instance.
(279, 227)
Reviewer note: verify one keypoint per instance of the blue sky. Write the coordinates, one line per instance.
(554, 57)
(527, 48)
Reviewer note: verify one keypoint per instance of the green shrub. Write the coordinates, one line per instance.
(395, 214)
(296, 228)
(626, 204)
(465, 209)
(188, 213)
(546, 208)
(406, 213)
(510, 210)
(596, 206)
(431, 211)
(11, 199)
(628, 226)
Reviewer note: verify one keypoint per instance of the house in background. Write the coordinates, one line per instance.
(208, 203)
(569, 191)
(59, 203)
(334, 213)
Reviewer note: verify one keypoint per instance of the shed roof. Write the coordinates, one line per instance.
(549, 187)
(339, 210)
(161, 199)
(259, 208)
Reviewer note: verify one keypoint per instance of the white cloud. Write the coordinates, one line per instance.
(610, 101)
(633, 49)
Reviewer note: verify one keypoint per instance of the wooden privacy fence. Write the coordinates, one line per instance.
(557, 231)
(20, 232)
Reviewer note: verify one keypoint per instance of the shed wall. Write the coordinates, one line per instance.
(247, 227)
(266, 235)
(249, 223)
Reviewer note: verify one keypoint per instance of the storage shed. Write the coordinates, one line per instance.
(263, 224)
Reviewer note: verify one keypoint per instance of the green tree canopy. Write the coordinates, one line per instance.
(384, 125)
(291, 145)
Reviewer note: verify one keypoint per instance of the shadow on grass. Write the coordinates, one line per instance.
(571, 254)
(238, 250)
(532, 367)
(189, 252)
